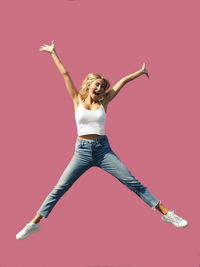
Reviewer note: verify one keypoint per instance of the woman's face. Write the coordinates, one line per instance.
(97, 89)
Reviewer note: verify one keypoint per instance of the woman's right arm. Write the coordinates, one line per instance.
(67, 79)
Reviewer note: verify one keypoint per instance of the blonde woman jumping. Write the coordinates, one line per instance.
(92, 147)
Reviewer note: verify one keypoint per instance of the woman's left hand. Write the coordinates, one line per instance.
(145, 70)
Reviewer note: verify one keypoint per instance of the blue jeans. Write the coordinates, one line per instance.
(89, 153)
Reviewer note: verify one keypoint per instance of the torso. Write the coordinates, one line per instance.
(79, 101)
(90, 136)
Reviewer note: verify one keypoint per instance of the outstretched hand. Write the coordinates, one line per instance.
(48, 48)
(145, 70)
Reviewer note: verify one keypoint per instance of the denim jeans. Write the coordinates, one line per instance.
(89, 153)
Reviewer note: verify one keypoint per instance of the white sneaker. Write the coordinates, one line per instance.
(171, 217)
(29, 229)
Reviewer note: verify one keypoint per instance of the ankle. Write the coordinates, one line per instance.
(161, 208)
(37, 218)
(164, 212)
(35, 221)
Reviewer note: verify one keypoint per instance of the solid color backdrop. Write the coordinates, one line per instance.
(152, 125)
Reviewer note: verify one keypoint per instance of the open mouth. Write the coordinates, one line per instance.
(96, 93)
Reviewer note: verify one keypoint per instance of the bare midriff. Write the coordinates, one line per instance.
(90, 136)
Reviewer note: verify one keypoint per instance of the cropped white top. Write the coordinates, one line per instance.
(90, 121)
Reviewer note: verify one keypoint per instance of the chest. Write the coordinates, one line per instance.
(88, 107)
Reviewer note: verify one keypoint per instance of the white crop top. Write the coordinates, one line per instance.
(90, 121)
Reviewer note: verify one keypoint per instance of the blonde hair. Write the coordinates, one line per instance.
(91, 77)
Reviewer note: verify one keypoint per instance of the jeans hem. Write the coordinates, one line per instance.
(154, 207)
(44, 216)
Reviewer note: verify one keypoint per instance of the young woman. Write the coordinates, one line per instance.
(92, 146)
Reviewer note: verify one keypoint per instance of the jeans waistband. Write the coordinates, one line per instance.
(94, 141)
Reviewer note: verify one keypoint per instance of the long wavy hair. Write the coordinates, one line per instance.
(90, 78)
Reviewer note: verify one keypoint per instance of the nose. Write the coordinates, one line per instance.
(99, 87)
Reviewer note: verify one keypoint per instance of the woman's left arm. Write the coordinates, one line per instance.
(118, 86)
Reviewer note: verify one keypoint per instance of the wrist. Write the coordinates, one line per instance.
(142, 71)
(53, 51)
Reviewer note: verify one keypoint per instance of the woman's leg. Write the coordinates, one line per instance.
(80, 162)
(73, 171)
(113, 165)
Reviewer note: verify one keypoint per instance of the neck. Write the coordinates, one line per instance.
(90, 101)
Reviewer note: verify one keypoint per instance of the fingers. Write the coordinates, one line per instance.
(43, 48)
(47, 48)
(145, 70)
(52, 45)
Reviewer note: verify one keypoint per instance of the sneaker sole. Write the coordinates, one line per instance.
(27, 235)
(178, 226)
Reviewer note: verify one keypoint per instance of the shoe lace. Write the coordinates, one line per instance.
(176, 217)
(27, 227)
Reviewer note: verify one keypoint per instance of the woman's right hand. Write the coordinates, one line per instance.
(144, 69)
(48, 48)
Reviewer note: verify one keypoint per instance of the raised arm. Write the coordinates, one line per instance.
(67, 79)
(118, 86)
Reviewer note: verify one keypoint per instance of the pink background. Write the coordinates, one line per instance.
(152, 125)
